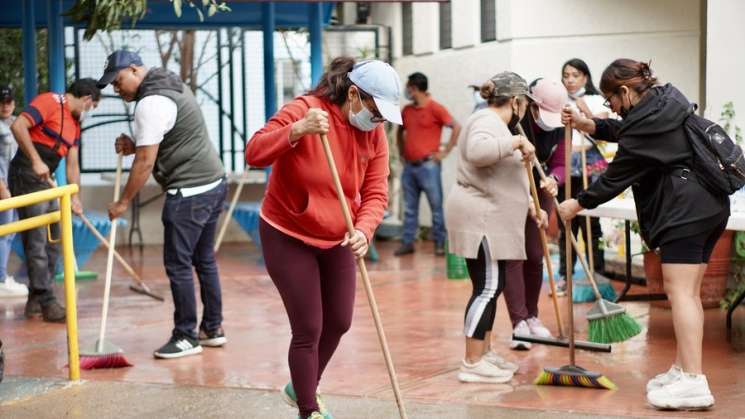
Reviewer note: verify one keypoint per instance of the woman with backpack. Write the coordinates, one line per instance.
(676, 212)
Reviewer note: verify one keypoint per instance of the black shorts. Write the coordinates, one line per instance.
(693, 250)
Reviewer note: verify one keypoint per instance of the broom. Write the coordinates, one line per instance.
(104, 354)
(570, 375)
(583, 292)
(608, 321)
(365, 280)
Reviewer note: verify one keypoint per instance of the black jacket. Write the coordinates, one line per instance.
(653, 157)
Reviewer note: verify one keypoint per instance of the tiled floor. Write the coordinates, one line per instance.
(422, 312)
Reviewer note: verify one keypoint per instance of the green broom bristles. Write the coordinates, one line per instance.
(612, 329)
(573, 376)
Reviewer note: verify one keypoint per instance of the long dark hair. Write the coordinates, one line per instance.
(580, 65)
(335, 83)
(633, 74)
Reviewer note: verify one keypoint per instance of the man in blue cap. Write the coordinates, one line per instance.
(171, 142)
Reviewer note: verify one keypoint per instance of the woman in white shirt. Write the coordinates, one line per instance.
(583, 96)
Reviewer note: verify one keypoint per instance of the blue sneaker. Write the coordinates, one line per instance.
(289, 396)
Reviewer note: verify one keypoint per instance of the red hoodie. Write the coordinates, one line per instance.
(300, 198)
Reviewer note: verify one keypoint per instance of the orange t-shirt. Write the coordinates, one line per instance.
(423, 126)
(52, 123)
(300, 199)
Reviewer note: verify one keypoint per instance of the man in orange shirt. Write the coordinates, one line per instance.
(47, 131)
(419, 147)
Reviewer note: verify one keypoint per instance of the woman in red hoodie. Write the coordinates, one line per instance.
(308, 253)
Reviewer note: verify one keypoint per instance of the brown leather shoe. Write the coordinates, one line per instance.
(33, 307)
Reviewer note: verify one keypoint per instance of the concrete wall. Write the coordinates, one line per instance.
(725, 58)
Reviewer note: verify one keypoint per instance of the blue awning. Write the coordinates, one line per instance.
(160, 15)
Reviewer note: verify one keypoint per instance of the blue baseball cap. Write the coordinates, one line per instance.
(118, 60)
(380, 80)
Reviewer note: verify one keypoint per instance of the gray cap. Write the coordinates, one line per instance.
(509, 84)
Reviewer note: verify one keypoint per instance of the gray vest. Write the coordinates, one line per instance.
(186, 156)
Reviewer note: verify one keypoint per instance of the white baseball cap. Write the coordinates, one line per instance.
(379, 80)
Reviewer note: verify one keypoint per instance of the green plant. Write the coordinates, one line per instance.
(727, 119)
(636, 229)
(107, 15)
(738, 272)
(11, 66)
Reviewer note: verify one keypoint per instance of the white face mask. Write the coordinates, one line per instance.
(542, 125)
(362, 120)
(83, 115)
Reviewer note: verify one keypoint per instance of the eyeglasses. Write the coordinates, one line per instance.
(607, 101)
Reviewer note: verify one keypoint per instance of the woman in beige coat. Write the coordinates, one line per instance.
(486, 212)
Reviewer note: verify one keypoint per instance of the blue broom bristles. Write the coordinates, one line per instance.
(582, 291)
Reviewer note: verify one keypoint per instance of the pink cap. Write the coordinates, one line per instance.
(551, 96)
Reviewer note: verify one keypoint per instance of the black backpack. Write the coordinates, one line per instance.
(717, 160)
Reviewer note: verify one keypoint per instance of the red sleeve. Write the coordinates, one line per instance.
(272, 141)
(442, 115)
(41, 108)
(374, 190)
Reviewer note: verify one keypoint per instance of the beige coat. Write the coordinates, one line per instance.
(490, 198)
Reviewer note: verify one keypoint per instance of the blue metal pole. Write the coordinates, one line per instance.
(57, 64)
(270, 87)
(316, 41)
(29, 51)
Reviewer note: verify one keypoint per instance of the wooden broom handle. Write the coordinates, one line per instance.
(110, 258)
(365, 278)
(567, 234)
(588, 223)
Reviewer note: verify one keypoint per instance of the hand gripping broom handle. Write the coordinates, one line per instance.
(110, 259)
(544, 243)
(365, 279)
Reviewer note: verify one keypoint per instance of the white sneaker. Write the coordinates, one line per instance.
(537, 328)
(521, 329)
(664, 379)
(494, 359)
(483, 372)
(688, 392)
(11, 288)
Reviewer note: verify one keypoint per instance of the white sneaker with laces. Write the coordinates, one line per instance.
(11, 288)
(500, 362)
(521, 329)
(483, 372)
(665, 378)
(537, 328)
(688, 392)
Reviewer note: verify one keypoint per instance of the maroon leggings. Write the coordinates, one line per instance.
(525, 277)
(317, 287)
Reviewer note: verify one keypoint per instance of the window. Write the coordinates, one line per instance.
(488, 20)
(407, 29)
(446, 31)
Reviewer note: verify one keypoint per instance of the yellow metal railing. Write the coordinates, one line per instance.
(64, 216)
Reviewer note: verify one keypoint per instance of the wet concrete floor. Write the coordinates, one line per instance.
(422, 312)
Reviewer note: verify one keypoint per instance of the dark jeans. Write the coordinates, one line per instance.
(579, 223)
(317, 287)
(415, 180)
(190, 225)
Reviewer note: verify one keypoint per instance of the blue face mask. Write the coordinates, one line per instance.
(362, 120)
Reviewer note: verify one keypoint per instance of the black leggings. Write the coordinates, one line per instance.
(693, 250)
(488, 279)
